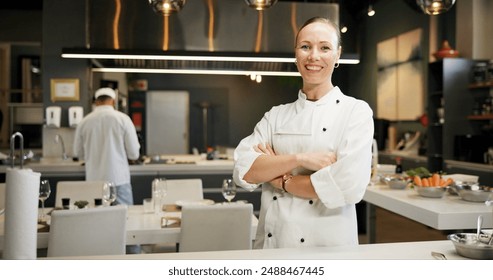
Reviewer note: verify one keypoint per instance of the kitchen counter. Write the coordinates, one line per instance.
(212, 172)
(383, 251)
(447, 213)
(58, 166)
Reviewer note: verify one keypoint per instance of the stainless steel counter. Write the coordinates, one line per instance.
(56, 166)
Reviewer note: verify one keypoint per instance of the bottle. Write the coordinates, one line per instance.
(398, 165)
(374, 163)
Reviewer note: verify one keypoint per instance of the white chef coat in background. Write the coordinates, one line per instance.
(336, 123)
(105, 139)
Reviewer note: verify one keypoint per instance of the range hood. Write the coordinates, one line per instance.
(206, 37)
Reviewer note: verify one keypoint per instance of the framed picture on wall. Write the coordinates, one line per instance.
(64, 90)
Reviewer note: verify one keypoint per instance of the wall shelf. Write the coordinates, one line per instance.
(480, 117)
(481, 85)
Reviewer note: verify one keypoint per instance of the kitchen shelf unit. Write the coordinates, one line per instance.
(480, 117)
(448, 87)
(483, 85)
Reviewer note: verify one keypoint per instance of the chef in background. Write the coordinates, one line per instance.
(106, 140)
(312, 157)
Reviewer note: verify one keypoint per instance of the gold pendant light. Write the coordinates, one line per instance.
(167, 7)
(260, 4)
(435, 7)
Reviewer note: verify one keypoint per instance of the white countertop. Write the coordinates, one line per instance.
(383, 251)
(447, 213)
(58, 166)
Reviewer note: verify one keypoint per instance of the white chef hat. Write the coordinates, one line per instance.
(105, 91)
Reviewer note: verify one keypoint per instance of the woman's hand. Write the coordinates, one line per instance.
(310, 161)
(316, 161)
(265, 149)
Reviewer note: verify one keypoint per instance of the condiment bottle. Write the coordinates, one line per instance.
(398, 165)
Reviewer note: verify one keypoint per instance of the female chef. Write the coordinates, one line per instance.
(312, 157)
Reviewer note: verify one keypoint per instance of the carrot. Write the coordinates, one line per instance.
(442, 182)
(425, 182)
(417, 181)
(435, 180)
(449, 181)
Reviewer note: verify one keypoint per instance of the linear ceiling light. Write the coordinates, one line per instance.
(349, 60)
(195, 71)
(178, 57)
(189, 62)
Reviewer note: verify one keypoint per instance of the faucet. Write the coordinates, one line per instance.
(59, 139)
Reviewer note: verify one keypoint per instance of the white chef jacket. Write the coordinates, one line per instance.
(336, 123)
(105, 139)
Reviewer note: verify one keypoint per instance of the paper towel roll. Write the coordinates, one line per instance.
(21, 214)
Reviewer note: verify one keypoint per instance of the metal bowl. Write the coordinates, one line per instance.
(467, 245)
(460, 179)
(474, 192)
(454, 187)
(433, 192)
(395, 181)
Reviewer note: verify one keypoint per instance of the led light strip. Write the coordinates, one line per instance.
(179, 57)
(195, 58)
(194, 71)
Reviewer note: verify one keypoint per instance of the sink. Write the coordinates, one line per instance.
(55, 161)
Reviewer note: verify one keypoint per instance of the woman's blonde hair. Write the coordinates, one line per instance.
(322, 20)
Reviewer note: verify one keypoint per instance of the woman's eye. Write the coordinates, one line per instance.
(304, 47)
(325, 48)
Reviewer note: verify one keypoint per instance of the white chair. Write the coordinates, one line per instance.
(2, 196)
(78, 190)
(177, 189)
(88, 232)
(183, 189)
(216, 227)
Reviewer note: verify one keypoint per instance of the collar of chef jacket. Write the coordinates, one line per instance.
(301, 123)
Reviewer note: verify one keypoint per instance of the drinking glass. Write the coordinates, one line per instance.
(44, 193)
(109, 193)
(159, 191)
(229, 189)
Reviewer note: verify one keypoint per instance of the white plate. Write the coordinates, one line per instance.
(487, 231)
(182, 203)
(462, 177)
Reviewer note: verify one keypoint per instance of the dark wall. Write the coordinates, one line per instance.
(237, 102)
(391, 19)
(63, 25)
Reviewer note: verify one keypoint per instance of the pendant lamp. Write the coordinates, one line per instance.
(435, 7)
(167, 7)
(260, 4)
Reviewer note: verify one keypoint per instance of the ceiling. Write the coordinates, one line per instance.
(353, 7)
(22, 5)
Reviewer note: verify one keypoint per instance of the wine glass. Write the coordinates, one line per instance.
(109, 193)
(159, 191)
(44, 193)
(229, 189)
